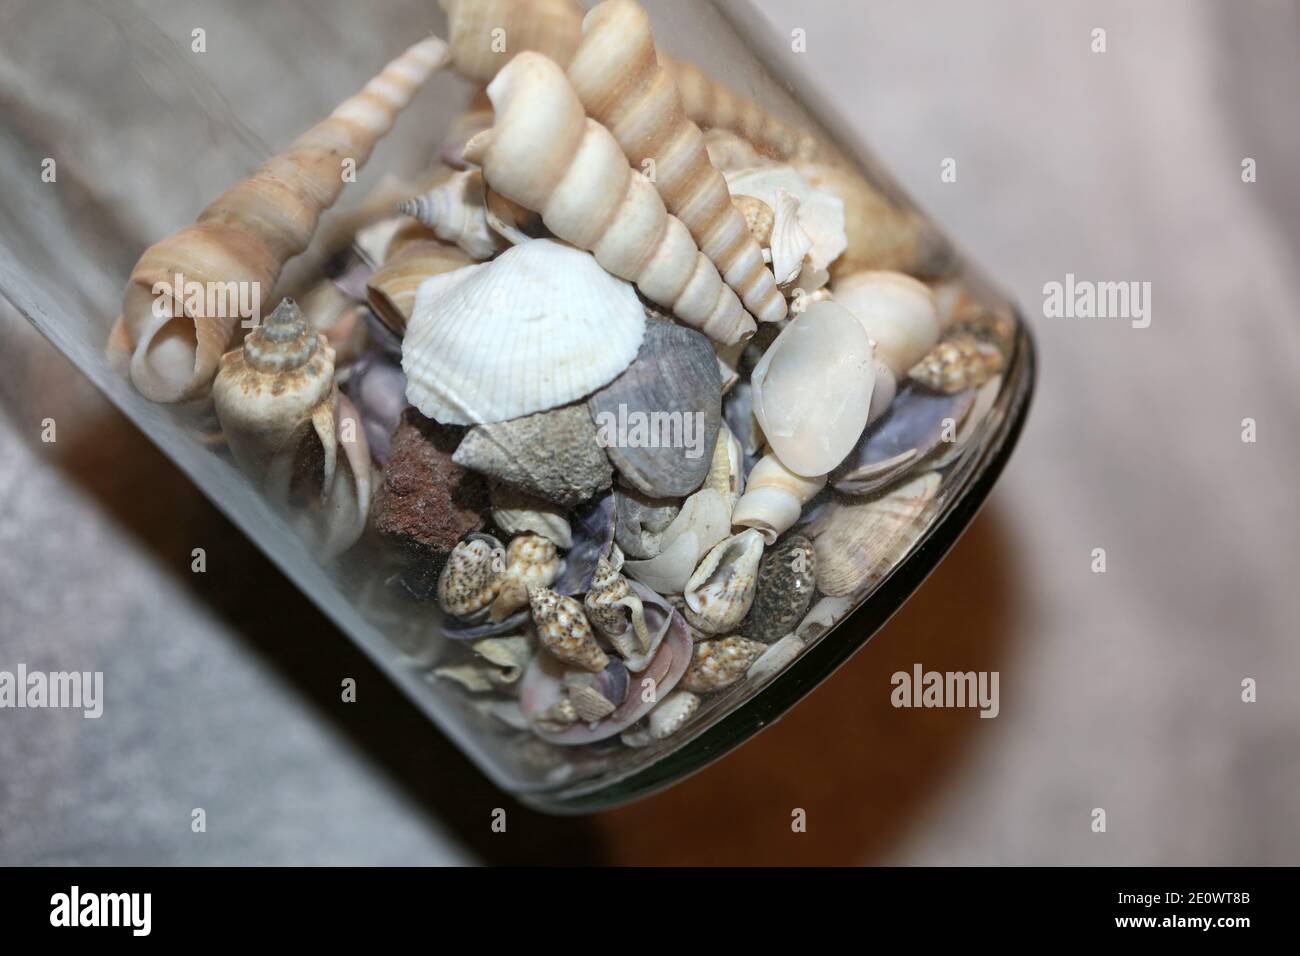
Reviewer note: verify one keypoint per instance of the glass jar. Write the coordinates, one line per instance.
(892, 390)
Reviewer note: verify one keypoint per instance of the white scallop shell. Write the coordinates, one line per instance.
(539, 326)
(790, 242)
(821, 214)
(812, 389)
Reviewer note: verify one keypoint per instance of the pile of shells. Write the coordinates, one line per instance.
(640, 440)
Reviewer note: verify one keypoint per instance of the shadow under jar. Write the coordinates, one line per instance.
(613, 406)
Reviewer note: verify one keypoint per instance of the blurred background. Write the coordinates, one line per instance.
(1119, 690)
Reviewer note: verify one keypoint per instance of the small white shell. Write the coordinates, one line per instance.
(820, 213)
(704, 520)
(719, 593)
(515, 512)
(776, 658)
(456, 211)
(774, 498)
(538, 327)
(790, 242)
(812, 389)
(896, 311)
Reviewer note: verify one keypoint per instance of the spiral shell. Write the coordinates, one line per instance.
(719, 593)
(958, 362)
(244, 237)
(456, 210)
(774, 498)
(485, 34)
(471, 578)
(544, 154)
(563, 630)
(620, 82)
(531, 561)
(392, 288)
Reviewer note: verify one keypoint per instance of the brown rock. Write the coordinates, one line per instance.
(427, 502)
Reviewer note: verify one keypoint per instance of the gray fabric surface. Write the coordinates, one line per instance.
(1119, 690)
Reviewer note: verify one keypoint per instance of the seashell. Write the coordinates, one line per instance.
(285, 424)
(554, 455)
(377, 387)
(649, 626)
(610, 604)
(596, 696)
(544, 154)
(962, 303)
(985, 397)
(456, 211)
(719, 109)
(543, 685)
(563, 630)
(812, 389)
(774, 498)
(729, 363)
(882, 395)
(477, 29)
(719, 593)
(705, 519)
(738, 412)
(786, 582)
(918, 422)
(471, 578)
(959, 362)
(622, 86)
(880, 234)
(593, 538)
(897, 312)
(426, 502)
(538, 327)
(531, 561)
(727, 469)
(759, 219)
(392, 288)
(862, 541)
(642, 521)
(776, 658)
(718, 664)
(243, 239)
(330, 310)
(823, 616)
(515, 512)
(511, 221)
(461, 631)
(473, 120)
(664, 721)
(503, 662)
(658, 421)
(790, 242)
(809, 219)
(727, 151)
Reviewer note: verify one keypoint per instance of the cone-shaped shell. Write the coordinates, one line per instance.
(538, 327)
(622, 86)
(546, 155)
(485, 34)
(812, 389)
(243, 239)
(718, 664)
(456, 210)
(563, 630)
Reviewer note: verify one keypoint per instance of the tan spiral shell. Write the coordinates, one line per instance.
(485, 34)
(248, 233)
(545, 154)
(622, 85)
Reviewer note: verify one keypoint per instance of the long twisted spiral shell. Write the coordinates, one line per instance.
(248, 233)
(485, 34)
(545, 154)
(622, 86)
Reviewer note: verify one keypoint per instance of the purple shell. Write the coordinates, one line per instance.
(461, 631)
(593, 536)
(377, 386)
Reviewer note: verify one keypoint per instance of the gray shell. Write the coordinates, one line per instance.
(553, 455)
(641, 522)
(786, 583)
(675, 372)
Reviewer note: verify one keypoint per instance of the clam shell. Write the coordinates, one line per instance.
(915, 425)
(786, 582)
(720, 592)
(658, 421)
(812, 389)
(862, 541)
(718, 664)
(985, 396)
(538, 327)
(553, 455)
(543, 686)
(705, 519)
(790, 242)
(816, 213)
